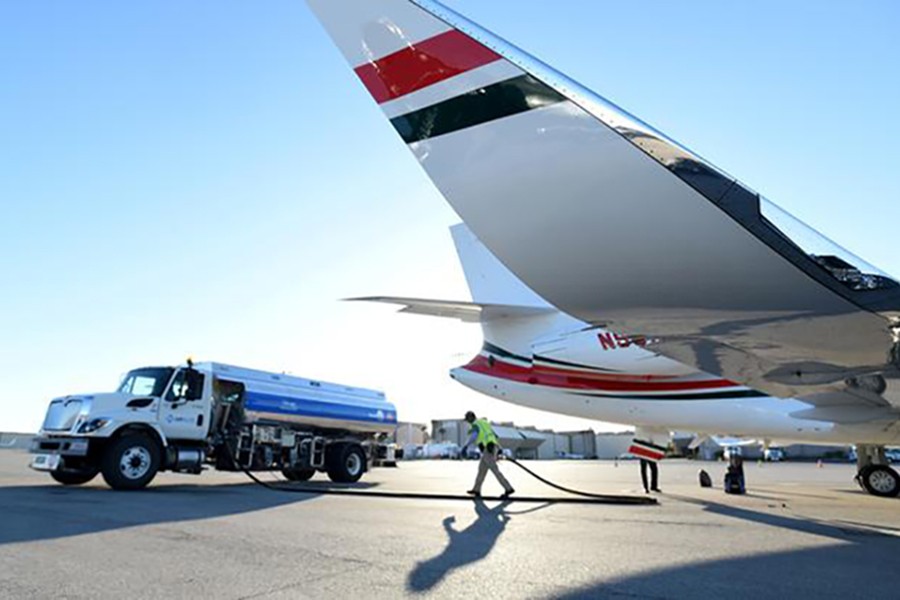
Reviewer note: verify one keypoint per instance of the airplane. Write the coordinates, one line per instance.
(537, 356)
(728, 295)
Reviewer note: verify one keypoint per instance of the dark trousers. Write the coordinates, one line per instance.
(654, 474)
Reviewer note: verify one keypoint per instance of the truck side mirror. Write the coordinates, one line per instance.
(194, 381)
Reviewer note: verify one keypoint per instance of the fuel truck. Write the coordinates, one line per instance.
(210, 415)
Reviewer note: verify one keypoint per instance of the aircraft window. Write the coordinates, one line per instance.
(843, 265)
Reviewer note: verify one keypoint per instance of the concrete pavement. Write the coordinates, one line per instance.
(801, 532)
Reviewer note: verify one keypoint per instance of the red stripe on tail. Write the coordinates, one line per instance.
(423, 64)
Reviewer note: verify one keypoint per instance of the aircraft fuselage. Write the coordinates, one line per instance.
(596, 374)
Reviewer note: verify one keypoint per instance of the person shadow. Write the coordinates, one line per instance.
(465, 546)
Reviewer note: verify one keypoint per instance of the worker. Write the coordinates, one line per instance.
(482, 433)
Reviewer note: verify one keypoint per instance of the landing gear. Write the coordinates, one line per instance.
(874, 475)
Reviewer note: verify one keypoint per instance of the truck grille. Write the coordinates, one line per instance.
(62, 414)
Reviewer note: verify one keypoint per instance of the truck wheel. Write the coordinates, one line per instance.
(74, 477)
(298, 474)
(880, 480)
(346, 463)
(131, 462)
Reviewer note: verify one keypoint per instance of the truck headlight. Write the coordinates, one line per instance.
(93, 425)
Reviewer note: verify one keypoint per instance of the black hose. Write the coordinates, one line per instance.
(571, 491)
(586, 497)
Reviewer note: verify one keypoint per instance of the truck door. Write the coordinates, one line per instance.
(184, 412)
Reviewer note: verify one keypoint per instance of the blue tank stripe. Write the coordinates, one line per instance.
(291, 405)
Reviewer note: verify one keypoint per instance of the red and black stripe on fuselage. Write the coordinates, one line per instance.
(595, 381)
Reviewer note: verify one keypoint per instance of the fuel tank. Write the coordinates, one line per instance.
(275, 397)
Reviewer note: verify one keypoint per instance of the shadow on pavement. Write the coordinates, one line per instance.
(803, 525)
(835, 571)
(848, 561)
(45, 512)
(465, 546)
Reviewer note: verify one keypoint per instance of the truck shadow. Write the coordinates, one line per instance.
(465, 546)
(46, 512)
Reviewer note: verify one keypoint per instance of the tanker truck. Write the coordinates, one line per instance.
(193, 417)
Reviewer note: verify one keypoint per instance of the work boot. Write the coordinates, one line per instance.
(508, 493)
(475, 493)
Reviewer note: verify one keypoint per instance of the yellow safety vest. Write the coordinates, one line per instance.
(486, 434)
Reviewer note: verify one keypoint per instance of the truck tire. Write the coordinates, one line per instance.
(131, 462)
(73, 477)
(880, 480)
(298, 474)
(346, 463)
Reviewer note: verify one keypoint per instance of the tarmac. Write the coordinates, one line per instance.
(800, 531)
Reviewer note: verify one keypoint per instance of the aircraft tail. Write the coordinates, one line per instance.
(489, 281)
(511, 315)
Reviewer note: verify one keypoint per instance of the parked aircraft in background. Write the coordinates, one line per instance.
(723, 296)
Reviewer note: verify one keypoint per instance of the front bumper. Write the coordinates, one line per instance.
(51, 452)
(66, 446)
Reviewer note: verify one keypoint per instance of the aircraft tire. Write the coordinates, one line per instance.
(880, 480)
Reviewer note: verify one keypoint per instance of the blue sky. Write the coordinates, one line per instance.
(209, 178)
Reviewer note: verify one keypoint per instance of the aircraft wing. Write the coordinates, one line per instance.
(469, 312)
(613, 222)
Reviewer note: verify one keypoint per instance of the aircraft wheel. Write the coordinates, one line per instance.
(880, 480)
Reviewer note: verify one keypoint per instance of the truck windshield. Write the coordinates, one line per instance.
(146, 382)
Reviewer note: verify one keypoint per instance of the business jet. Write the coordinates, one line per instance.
(726, 295)
(537, 356)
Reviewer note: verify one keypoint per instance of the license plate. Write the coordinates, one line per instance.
(45, 462)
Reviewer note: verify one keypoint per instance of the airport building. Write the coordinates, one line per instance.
(612, 445)
(545, 444)
(20, 441)
(523, 442)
